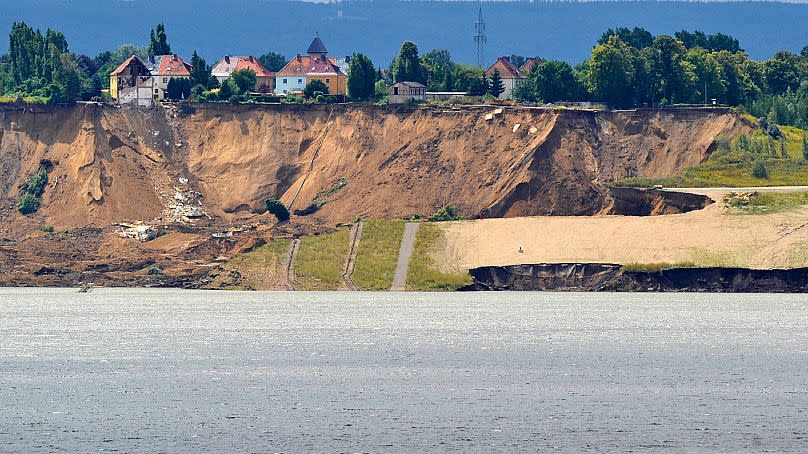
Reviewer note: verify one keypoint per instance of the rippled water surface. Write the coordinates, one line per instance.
(170, 370)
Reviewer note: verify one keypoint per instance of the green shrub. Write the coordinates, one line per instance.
(48, 228)
(447, 213)
(28, 203)
(36, 184)
(759, 170)
(277, 208)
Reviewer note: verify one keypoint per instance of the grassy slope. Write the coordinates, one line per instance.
(734, 169)
(377, 254)
(768, 202)
(262, 268)
(423, 274)
(320, 261)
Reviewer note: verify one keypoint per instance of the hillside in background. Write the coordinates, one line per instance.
(563, 31)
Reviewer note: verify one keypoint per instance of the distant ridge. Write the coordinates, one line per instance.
(550, 29)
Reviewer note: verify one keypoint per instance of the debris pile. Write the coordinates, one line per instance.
(139, 231)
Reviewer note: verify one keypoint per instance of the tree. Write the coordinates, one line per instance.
(465, 77)
(243, 80)
(638, 38)
(179, 88)
(200, 71)
(497, 86)
(518, 60)
(361, 77)
(709, 75)
(554, 81)
(226, 90)
(782, 72)
(478, 86)
(759, 169)
(676, 78)
(437, 65)
(273, 61)
(278, 209)
(158, 41)
(611, 73)
(315, 86)
(407, 66)
(805, 147)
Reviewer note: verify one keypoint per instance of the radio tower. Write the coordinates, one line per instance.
(480, 38)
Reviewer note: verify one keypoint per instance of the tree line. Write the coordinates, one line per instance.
(626, 68)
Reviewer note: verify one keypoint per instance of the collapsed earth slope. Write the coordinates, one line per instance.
(110, 164)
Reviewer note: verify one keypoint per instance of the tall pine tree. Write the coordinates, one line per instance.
(158, 41)
(497, 86)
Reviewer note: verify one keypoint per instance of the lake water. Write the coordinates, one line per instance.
(179, 371)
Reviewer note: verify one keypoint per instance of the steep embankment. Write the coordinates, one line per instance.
(108, 164)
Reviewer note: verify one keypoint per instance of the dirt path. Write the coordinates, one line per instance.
(291, 256)
(714, 236)
(404, 255)
(350, 261)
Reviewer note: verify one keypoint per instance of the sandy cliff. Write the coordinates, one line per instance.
(108, 164)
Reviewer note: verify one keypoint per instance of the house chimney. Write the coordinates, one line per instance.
(227, 59)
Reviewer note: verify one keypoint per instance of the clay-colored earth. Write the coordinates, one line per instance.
(714, 236)
(220, 163)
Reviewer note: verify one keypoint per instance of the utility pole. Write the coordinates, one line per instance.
(480, 38)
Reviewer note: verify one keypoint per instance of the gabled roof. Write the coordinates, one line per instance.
(507, 70)
(410, 84)
(251, 62)
(173, 65)
(126, 64)
(305, 65)
(317, 46)
(231, 63)
(530, 65)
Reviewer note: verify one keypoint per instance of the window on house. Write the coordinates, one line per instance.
(165, 80)
(156, 90)
(300, 81)
(284, 81)
(328, 81)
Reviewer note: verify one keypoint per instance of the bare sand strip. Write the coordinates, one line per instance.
(715, 236)
(404, 255)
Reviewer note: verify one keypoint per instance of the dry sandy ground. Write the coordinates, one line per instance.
(715, 236)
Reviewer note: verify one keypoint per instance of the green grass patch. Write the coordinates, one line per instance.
(377, 254)
(320, 261)
(656, 267)
(730, 166)
(423, 273)
(262, 268)
(768, 202)
(25, 99)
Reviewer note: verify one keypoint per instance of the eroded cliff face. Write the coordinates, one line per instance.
(109, 164)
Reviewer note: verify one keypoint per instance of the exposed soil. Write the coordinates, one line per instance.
(614, 278)
(111, 165)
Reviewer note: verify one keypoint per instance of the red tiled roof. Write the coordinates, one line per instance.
(507, 70)
(251, 62)
(125, 64)
(303, 65)
(530, 65)
(173, 65)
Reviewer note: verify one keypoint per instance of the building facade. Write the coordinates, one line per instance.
(264, 79)
(163, 69)
(131, 83)
(316, 65)
(404, 92)
(510, 74)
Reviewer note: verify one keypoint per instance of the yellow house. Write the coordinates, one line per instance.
(315, 66)
(131, 83)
